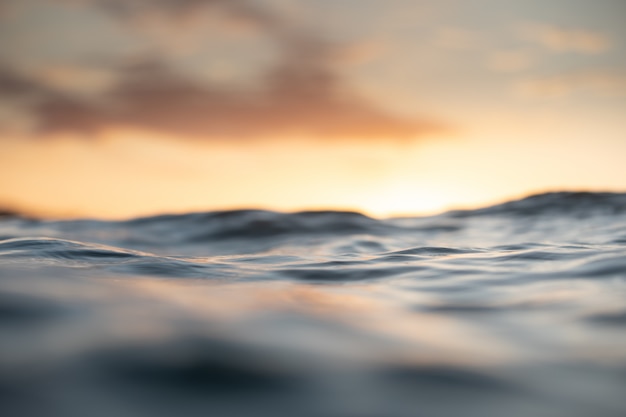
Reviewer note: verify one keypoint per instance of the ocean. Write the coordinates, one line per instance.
(512, 310)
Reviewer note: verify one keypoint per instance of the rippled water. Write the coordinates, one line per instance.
(512, 310)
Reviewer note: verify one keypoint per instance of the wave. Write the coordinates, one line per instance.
(556, 203)
(251, 225)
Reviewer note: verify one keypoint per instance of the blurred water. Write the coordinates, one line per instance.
(512, 310)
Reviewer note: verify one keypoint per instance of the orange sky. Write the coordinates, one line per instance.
(113, 111)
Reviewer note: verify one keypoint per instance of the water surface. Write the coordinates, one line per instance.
(517, 309)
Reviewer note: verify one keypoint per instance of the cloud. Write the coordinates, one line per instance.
(14, 85)
(456, 38)
(76, 80)
(598, 82)
(178, 17)
(566, 40)
(302, 94)
(510, 61)
(297, 99)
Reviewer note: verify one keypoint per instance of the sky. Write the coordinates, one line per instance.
(124, 108)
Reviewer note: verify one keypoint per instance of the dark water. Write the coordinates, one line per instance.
(512, 310)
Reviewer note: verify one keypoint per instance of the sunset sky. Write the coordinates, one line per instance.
(121, 108)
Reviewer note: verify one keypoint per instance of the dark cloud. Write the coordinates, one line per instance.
(302, 95)
(11, 84)
(295, 101)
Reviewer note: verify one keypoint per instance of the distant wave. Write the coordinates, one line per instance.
(557, 203)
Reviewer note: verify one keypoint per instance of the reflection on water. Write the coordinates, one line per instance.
(514, 310)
